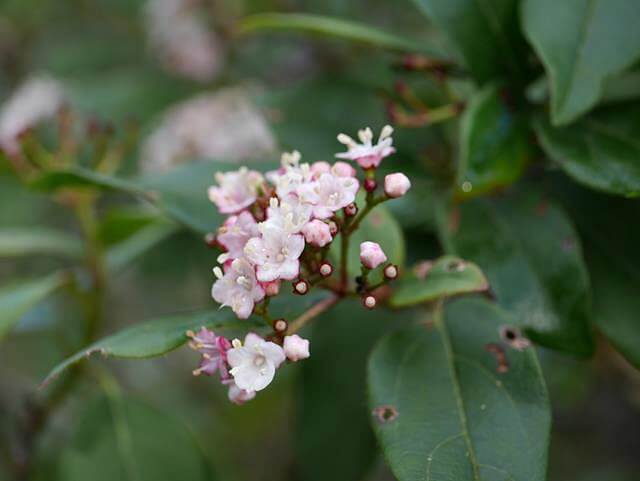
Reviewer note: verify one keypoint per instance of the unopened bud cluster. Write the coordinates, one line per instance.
(280, 226)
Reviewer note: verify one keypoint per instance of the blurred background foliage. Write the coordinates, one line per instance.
(553, 249)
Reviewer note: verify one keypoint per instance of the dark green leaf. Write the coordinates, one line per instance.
(21, 241)
(340, 343)
(601, 151)
(440, 409)
(119, 438)
(486, 34)
(153, 338)
(18, 299)
(494, 144)
(331, 27)
(446, 277)
(581, 43)
(531, 255)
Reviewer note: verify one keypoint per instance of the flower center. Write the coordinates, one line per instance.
(243, 282)
(259, 360)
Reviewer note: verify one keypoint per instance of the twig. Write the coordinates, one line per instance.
(313, 312)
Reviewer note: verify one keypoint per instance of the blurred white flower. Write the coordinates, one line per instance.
(219, 126)
(37, 99)
(182, 42)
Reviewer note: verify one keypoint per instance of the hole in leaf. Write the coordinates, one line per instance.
(385, 414)
(514, 338)
(455, 266)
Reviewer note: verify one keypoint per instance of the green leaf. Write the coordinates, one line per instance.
(152, 338)
(494, 144)
(601, 151)
(16, 300)
(379, 226)
(440, 409)
(340, 342)
(126, 251)
(120, 438)
(75, 177)
(486, 34)
(24, 241)
(445, 277)
(531, 255)
(581, 43)
(331, 27)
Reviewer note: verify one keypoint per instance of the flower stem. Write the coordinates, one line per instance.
(313, 312)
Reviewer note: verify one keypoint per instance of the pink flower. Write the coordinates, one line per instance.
(271, 288)
(342, 169)
(371, 255)
(237, 190)
(329, 194)
(290, 215)
(296, 348)
(239, 396)
(396, 185)
(291, 176)
(320, 167)
(367, 154)
(235, 232)
(317, 233)
(254, 363)
(238, 288)
(214, 352)
(275, 254)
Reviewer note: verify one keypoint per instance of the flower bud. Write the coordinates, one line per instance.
(296, 348)
(342, 169)
(320, 167)
(370, 185)
(391, 272)
(351, 210)
(333, 228)
(280, 326)
(210, 239)
(301, 287)
(271, 288)
(371, 255)
(396, 185)
(326, 269)
(317, 233)
(369, 302)
(240, 396)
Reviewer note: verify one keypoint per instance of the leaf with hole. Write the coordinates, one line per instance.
(441, 410)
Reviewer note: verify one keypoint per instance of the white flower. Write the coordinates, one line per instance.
(238, 288)
(254, 364)
(290, 215)
(329, 194)
(367, 154)
(317, 233)
(296, 348)
(371, 254)
(237, 190)
(275, 254)
(396, 185)
(235, 232)
(35, 100)
(291, 176)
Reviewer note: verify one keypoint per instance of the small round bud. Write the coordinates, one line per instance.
(301, 287)
(333, 228)
(320, 167)
(391, 271)
(369, 302)
(396, 185)
(371, 255)
(317, 233)
(342, 169)
(210, 240)
(351, 210)
(296, 348)
(280, 326)
(271, 288)
(370, 185)
(326, 269)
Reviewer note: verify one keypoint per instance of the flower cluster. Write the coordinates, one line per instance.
(279, 228)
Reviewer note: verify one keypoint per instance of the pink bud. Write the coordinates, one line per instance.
(326, 269)
(320, 167)
(271, 288)
(391, 271)
(280, 325)
(342, 169)
(317, 233)
(300, 287)
(370, 185)
(371, 255)
(369, 302)
(240, 396)
(396, 185)
(296, 348)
